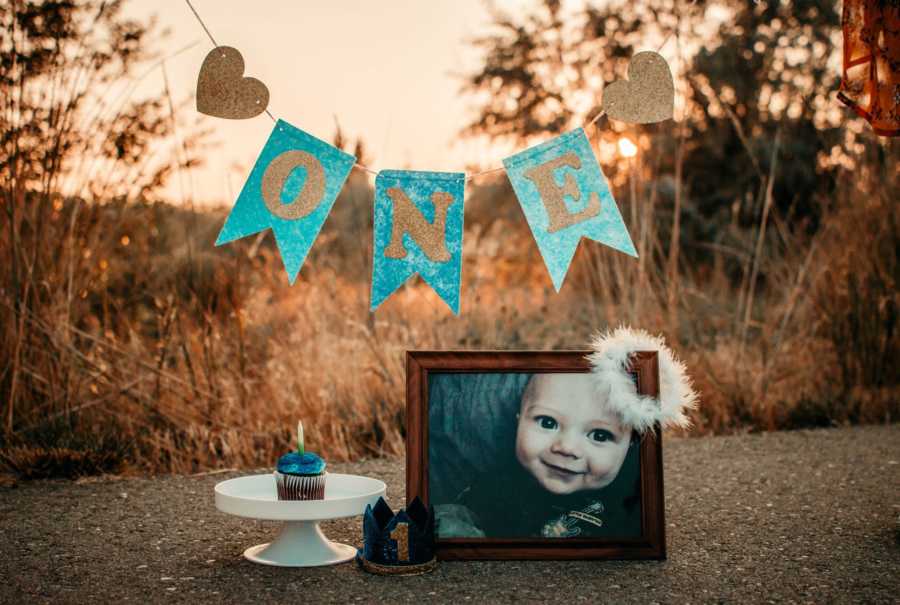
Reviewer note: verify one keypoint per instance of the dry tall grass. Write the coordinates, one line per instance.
(143, 355)
(130, 344)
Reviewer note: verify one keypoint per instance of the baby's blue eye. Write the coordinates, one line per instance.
(601, 436)
(547, 422)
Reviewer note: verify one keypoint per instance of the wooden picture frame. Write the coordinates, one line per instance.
(421, 365)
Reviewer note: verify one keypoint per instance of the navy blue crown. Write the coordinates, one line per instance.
(404, 539)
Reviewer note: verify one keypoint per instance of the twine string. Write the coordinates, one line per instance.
(483, 172)
(365, 168)
(202, 24)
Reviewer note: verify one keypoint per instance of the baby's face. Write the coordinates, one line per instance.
(566, 437)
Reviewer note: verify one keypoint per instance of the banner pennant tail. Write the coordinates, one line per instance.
(446, 289)
(609, 229)
(238, 226)
(386, 283)
(292, 250)
(558, 259)
(418, 229)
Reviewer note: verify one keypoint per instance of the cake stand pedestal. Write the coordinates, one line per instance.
(300, 543)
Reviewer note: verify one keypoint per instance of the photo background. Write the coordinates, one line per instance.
(764, 212)
(471, 426)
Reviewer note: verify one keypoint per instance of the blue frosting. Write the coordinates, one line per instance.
(301, 464)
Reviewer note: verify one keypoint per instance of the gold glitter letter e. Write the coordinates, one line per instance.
(553, 195)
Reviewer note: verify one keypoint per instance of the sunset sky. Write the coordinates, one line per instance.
(389, 72)
(383, 69)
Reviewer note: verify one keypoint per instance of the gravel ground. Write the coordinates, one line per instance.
(808, 516)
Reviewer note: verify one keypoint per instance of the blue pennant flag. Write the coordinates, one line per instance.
(565, 197)
(418, 228)
(291, 189)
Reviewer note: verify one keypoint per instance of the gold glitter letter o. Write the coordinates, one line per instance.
(277, 173)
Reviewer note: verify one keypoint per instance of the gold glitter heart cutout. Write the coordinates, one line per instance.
(647, 96)
(223, 92)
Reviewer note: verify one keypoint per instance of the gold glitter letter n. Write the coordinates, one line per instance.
(408, 219)
(553, 195)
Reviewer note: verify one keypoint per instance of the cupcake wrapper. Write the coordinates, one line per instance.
(300, 487)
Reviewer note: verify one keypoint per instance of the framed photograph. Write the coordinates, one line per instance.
(521, 460)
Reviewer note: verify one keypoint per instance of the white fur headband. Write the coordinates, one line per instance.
(610, 361)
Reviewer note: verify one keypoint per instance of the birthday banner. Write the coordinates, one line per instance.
(291, 189)
(418, 229)
(565, 197)
(418, 216)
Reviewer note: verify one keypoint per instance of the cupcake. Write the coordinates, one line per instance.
(300, 475)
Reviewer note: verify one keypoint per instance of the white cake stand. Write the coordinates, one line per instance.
(300, 543)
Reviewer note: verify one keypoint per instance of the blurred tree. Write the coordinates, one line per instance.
(66, 76)
(70, 132)
(750, 70)
(69, 126)
(539, 69)
(767, 70)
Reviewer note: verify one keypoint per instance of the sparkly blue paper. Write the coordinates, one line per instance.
(293, 237)
(388, 274)
(558, 248)
(295, 463)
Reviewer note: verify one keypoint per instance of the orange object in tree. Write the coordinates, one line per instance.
(871, 78)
